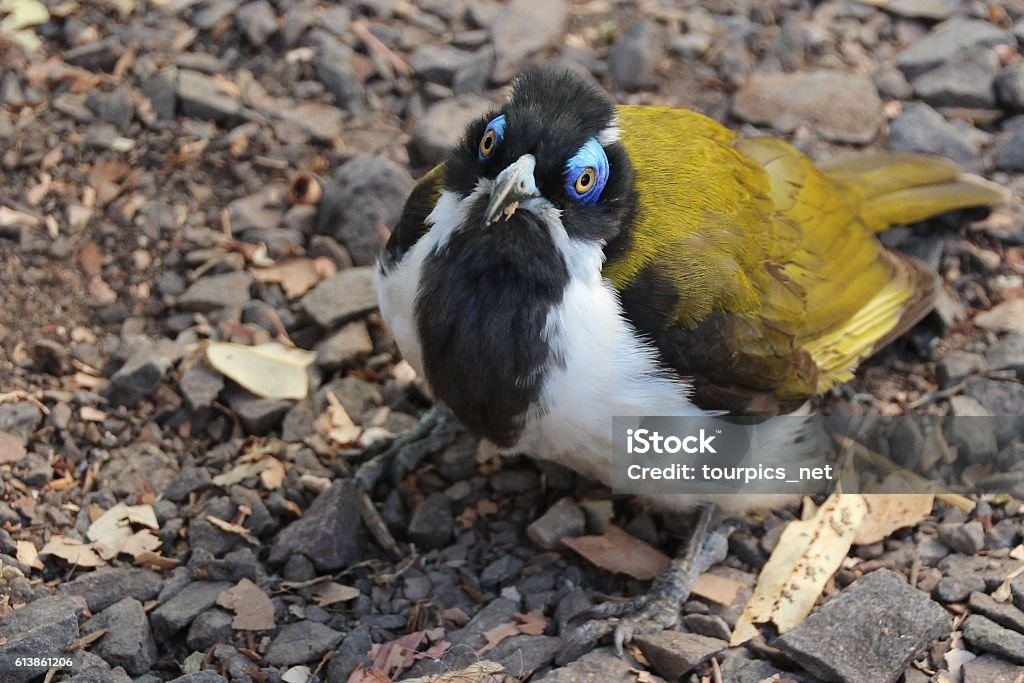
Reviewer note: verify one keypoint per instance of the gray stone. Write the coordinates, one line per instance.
(474, 75)
(1007, 354)
(297, 20)
(949, 41)
(830, 642)
(431, 525)
(525, 653)
(984, 634)
(1010, 87)
(347, 346)
(963, 82)
(924, 9)
(600, 665)
(258, 415)
(105, 586)
(20, 418)
(99, 55)
(139, 377)
(439, 64)
(922, 129)
(348, 294)
(957, 366)
(202, 98)
(187, 481)
(1010, 156)
(633, 60)
(840, 106)
(209, 628)
(216, 291)
(200, 385)
(709, 625)
(500, 571)
(188, 603)
(672, 654)
(115, 108)
(892, 84)
(524, 27)
(330, 533)
(443, 124)
(366, 193)
(989, 669)
(200, 677)
(958, 588)
(44, 627)
(967, 538)
(214, 12)
(333, 66)
(128, 642)
(495, 614)
(1002, 613)
(564, 518)
(257, 20)
(300, 642)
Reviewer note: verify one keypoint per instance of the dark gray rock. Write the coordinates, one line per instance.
(892, 84)
(333, 66)
(432, 522)
(922, 129)
(348, 294)
(500, 571)
(202, 98)
(99, 55)
(44, 627)
(1002, 613)
(188, 480)
(200, 386)
(957, 366)
(213, 12)
(958, 588)
(345, 347)
(139, 377)
(633, 60)
(1007, 354)
(949, 41)
(966, 538)
(257, 21)
(564, 518)
(258, 415)
(216, 291)
(474, 75)
(443, 124)
(300, 642)
(830, 642)
(161, 89)
(115, 108)
(1010, 87)
(989, 669)
(330, 533)
(984, 634)
(364, 194)
(525, 653)
(20, 418)
(439, 64)
(200, 677)
(673, 654)
(105, 586)
(352, 652)
(974, 437)
(209, 628)
(128, 642)
(963, 82)
(495, 614)
(1010, 156)
(840, 106)
(520, 29)
(709, 625)
(178, 612)
(935, 10)
(600, 665)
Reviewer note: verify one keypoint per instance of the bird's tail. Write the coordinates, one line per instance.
(897, 187)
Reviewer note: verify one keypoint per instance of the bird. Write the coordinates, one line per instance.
(571, 260)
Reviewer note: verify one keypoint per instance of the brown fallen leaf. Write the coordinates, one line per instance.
(253, 609)
(11, 448)
(395, 656)
(105, 177)
(618, 552)
(295, 275)
(28, 555)
(806, 556)
(717, 589)
(90, 258)
(273, 474)
(329, 593)
(888, 512)
(74, 552)
(336, 424)
(232, 528)
(155, 560)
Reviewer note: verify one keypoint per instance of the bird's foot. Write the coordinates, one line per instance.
(436, 430)
(658, 609)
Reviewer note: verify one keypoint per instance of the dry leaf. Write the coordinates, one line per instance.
(11, 448)
(253, 609)
(336, 424)
(1005, 317)
(270, 470)
(395, 656)
(329, 593)
(616, 551)
(273, 474)
(90, 258)
(484, 671)
(498, 634)
(230, 528)
(90, 414)
(28, 555)
(10, 217)
(105, 176)
(807, 554)
(296, 275)
(270, 370)
(156, 560)
(532, 623)
(140, 543)
(888, 512)
(74, 552)
(112, 534)
(717, 588)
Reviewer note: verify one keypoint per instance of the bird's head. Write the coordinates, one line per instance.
(551, 151)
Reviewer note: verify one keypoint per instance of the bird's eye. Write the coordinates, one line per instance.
(492, 136)
(586, 173)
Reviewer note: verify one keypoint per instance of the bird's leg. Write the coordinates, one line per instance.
(658, 609)
(436, 429)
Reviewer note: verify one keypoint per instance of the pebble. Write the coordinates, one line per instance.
(1000, 612)
(20, 418)
(186, 482)
(430, 527)
(329, 533)
(303, 641)
(829, 643)
(1007, 354)
(442, 125)
(257, 415)
(633, 60)
(935, 10)
(105, 586)
(348, 346)
(139, 377)
(957, 366)
(216, 291)
(989, 669)
(365, 193)
(128, 641)
(47, 625)
(964, 82)
(673, 654)
(202, 98)
(950, 41)
(600, 665)
(178, 612)
(922, 129)
(958, 588)
(984, 634)
(333, 66)
(346, 295)
(257, 21)
(200, 385)
(1010, 87)
(522, 28)
(439, 64)
(1010, 156)
(564, 518)
(840, 106)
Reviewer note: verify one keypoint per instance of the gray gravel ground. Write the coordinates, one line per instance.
(150, 147)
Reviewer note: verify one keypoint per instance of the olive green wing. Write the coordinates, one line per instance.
(413, 222)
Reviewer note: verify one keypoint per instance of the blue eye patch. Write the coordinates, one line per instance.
(492, 137)
(586, 173)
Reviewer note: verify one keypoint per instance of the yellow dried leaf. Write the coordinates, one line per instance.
(329, 593)
(74, 552)
(888, 512)
(28, 555)
(270, 370)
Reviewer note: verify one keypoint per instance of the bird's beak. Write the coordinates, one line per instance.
(512, 186)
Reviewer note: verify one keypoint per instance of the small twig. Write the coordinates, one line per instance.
(363, 32)
(377, 527)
